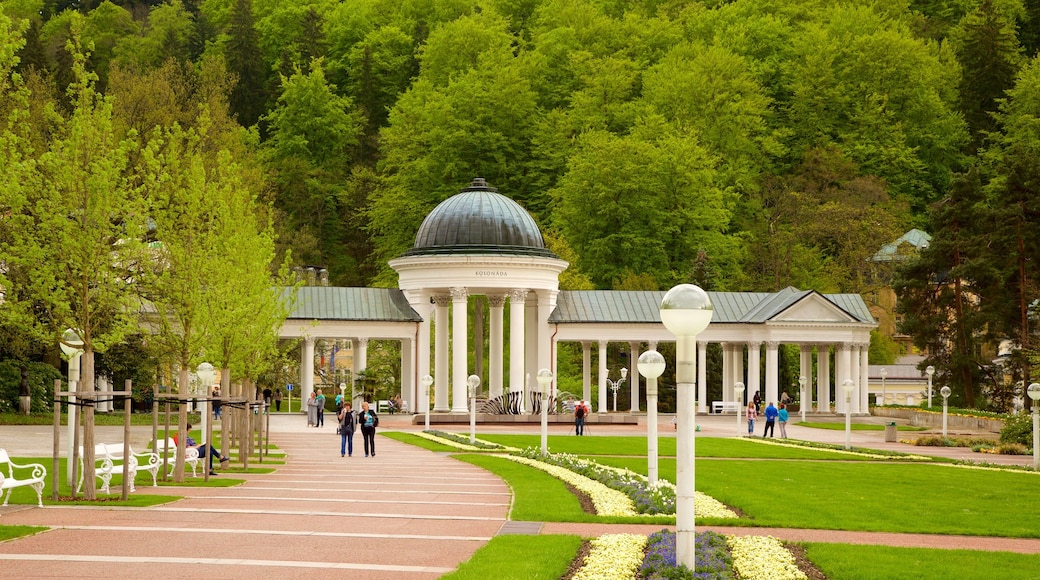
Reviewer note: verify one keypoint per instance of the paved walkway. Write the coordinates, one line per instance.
(320, 515)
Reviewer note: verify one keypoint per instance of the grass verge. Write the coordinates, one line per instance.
(12, 532)
(543, 558)
(856, 562)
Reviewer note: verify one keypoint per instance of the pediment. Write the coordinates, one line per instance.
(813, 308)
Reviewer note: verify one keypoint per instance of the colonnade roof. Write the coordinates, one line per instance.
(581, 306)
(360, 304)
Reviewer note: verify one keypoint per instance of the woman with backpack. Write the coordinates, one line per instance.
(368, 420)
(346, 429)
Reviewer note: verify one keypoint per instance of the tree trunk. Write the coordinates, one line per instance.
(85, 394)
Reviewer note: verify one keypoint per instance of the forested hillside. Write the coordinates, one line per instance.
(743, 145)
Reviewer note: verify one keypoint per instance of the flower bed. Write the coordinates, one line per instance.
(613, 557)
(608, 502)
(721, 558)
(460, 442)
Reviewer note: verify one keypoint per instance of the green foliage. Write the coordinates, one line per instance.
(41, 385)
(1018, 428)
(865, 562)
(498, 558)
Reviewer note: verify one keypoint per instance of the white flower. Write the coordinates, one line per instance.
(447, 442)
(842, 451)
(608, 502)
(762, 558)
(613, 556)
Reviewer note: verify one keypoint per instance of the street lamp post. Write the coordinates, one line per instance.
(651, 365)
(929, 371)
(72, 346)
(1034, 393)
(545, 378)
(802, 381)
(945, 392)
(847, 385)
(738, 392)
(426, 382)
(686, 311)
(884, 393)
(474, 386)
(615, 385)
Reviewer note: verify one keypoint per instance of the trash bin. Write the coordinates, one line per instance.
(890, 433)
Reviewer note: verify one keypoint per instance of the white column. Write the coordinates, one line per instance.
(495, 343)
(459, 350)
(408, 382)
(754, 350)
(422, 351)
(727, 370)
(360, 361)
(772, 372)
(633, 376)
(805, 370)
(854, 375)
(738, 367)
(440, 364)
(702, 377)
(823, 378)
(864, 378)
(586, 372)
(306, 371)
(517, 344)
(602, 376)
(842, 372)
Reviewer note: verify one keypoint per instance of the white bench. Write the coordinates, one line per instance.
(108, 461)
(34, 478)
(168, 448)
(724, 407)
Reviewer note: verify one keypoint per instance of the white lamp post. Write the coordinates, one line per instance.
(686, 311)
(945, 392)
(1034, 393)
(72, 345)
(426, 382)
(847, 385)
(884, 393)
(802, 381)
(929, 371)
(651, 365)
(738, 392)
(615, 385)
(545, 378)
(206, 375)
(474, 386)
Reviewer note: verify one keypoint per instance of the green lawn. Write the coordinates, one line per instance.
(858, 427)
(854, 562)
(498, 559)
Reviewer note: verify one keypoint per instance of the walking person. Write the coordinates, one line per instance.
(771, 415)
(278, 401)
(580, 411)
(758, 400)
(782, 417)
(751, 414)
(215, 395)
(346, 430)
(312, 410)
(368, 421)
(320, 399)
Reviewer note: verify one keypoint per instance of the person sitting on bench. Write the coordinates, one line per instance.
(205, 450)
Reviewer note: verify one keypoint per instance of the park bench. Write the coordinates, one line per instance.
(168, 448)
(108, 461)
(724, 406)
(20, 475)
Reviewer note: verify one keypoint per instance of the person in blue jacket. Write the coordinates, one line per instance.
(782, 416)
(771, 415)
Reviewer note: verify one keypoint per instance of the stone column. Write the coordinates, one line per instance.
(823, 378)
(854, 375)
(422, 349)
(459, 350)
(633, 376)
(517, 344)
(602, 377)
(772, 372)
(360, 363)
(586, 371)
(495, 343)
(805, 370)
(306, 371)
(440, 346)
(754, 350)
(864, 377)
(842, 371)
(702, 377)
(408, 382)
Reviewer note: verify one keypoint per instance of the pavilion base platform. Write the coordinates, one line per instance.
(559, 419)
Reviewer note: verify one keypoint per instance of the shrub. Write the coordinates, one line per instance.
(1012, 449)
(1018, 428)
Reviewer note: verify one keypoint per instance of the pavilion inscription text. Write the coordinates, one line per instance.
(490, 273)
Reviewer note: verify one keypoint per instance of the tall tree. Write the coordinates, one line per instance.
(77, 232)
(249, 96)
